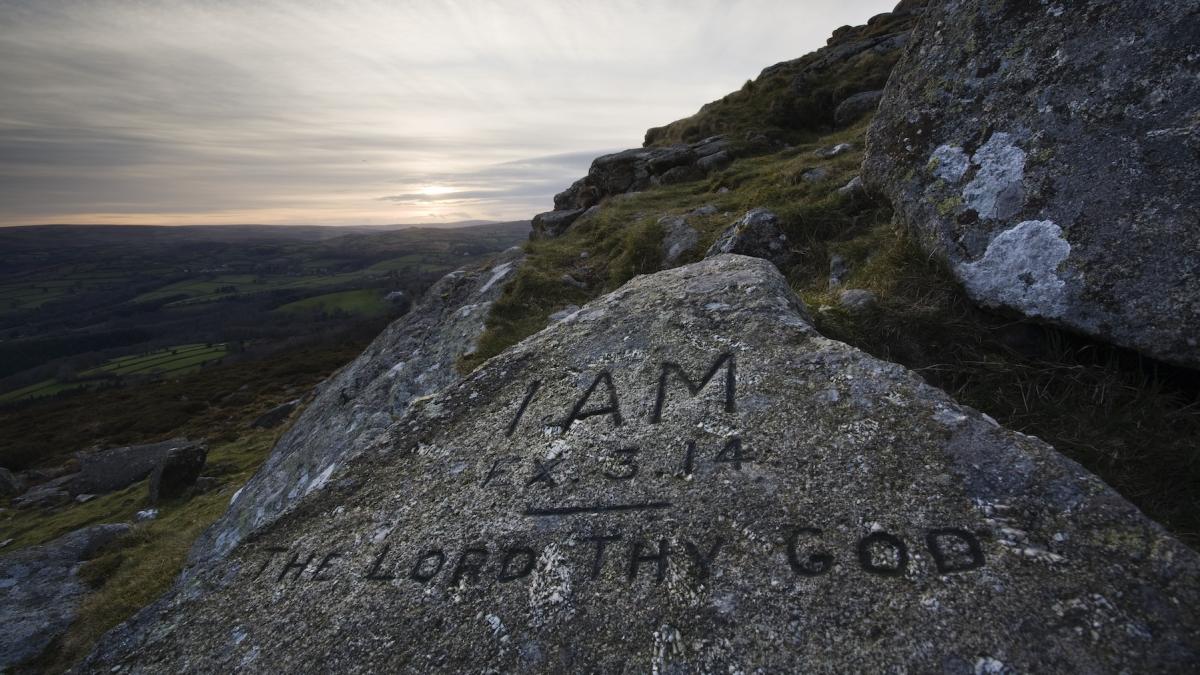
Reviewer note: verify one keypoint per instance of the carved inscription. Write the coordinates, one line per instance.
(556, 488)
(725, 361)
(881, 554)
(601, 396)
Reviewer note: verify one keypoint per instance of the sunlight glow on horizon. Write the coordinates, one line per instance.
(357, 111)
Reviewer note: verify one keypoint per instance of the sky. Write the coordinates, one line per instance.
(356, 112)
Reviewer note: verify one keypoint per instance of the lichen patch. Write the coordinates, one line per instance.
(1020, 270)
(996, 191)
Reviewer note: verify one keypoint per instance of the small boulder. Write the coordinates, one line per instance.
(177, 472)
(833, 150)
(275, 416)
(856, 106)
(116, 468)
(757, 234)
(814, 175)
(853, 188)
(857, 299)
(145, 515)
(678, 238)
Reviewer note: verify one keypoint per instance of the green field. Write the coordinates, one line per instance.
(227, 286)
(42, 389)
(174, 360)
(366, 302)
(180, 358)
(61, 282)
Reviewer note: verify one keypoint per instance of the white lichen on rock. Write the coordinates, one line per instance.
(995, 191)
(949, 163)
(1020, 270)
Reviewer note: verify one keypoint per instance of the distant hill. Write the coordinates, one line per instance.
(75, 297)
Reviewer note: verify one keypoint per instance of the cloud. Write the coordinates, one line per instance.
(312, 111)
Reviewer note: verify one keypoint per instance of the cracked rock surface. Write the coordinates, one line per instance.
(685, 476)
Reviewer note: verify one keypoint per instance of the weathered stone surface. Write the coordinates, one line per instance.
(116, 468)
(856, 106)
(414, 357)
(177, 472)
(757, 234)
(684, 476)
(40, 592)
(1077, 204)
(275, 416)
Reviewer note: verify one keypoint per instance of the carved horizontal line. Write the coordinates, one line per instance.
(594, 508)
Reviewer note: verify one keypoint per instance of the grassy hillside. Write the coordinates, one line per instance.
(1132, 421)
(73, 299)
(217, 404)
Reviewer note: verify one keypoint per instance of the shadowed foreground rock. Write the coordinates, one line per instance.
(685, 476)
(1051, 153)
(413, 357)
(40, 591)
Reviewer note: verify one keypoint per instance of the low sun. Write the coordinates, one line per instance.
(432, 190)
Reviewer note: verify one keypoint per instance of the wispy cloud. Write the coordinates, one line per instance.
(348, 111)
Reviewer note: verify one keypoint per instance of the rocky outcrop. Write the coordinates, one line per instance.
(177, 472)
(1049, 152)
(40, 592)
(117, 468)
(684, 476)
(414, 357)
(759, 234)
(632, 171)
